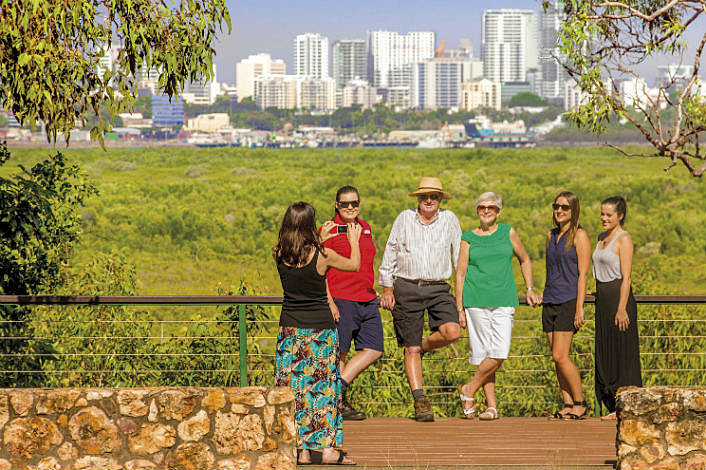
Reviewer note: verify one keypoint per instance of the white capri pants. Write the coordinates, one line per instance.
(489, 332)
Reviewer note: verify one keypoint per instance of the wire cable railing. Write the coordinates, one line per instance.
(107, 340)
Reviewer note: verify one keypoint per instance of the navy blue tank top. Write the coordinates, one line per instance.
(305, 304)
(562, 271)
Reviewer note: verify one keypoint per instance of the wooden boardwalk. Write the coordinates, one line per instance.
(527, 442)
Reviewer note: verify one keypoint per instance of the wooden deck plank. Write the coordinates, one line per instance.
(453, 441)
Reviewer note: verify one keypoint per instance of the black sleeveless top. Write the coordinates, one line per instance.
(305, 303)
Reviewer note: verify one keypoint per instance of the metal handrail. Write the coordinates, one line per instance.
(243, 301)
(251, 299)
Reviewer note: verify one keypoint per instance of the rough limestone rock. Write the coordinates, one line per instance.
(194, 428)
(276, 461)
(696, 462)
(139, 464)
(268, 414)
(127, 426)
(67, 451)
(4, 410)
(280, 395)
(242, 462)
(56, 401)
(685, 436)
(151, 438)
(97, 463)
(239, 409)
(131, 404)
(637, 433)
(21, 402)
(214, 400)
(48, 463)
(94, 433)
(287, 426)
(175, 404)
(190, 456)
(226, 425)
(94, 394)
(250, 434)
(154, 412)
(252, 396)
(5, 465)
(25, 437)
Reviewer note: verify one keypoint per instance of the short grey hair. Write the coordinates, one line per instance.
(490, 196)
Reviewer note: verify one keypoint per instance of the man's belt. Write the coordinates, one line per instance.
(421, 282)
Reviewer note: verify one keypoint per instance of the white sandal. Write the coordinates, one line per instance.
(489, 414)
(468, 412)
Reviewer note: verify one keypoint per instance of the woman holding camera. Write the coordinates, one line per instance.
(352, 299)
(307, 344)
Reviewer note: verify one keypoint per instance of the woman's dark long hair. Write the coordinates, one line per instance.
(574, 225)
(341, 191)
(621, 207)
(297, 235)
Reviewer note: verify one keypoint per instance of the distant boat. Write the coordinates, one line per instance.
(432, 143)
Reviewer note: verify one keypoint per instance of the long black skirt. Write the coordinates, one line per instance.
(617, 352)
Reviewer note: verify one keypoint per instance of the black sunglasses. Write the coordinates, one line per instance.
(433, 197)
(346, 204)
(564, 207)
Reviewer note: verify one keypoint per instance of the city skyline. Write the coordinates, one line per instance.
(271, 27)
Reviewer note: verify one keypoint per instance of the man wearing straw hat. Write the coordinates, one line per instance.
(415, 268)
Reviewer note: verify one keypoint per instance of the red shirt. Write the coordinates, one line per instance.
(355, 286)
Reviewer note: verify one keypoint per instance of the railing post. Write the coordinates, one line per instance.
(243, 345)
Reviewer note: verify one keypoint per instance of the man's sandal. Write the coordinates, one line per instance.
(317, 458)
(469, 413)
(490, 414)
(578, 416)
(559, 415)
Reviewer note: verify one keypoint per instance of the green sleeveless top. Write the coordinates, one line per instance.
(489, 279)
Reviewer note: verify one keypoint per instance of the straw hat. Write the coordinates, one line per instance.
(430, 185)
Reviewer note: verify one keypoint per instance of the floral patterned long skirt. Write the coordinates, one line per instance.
(307, 361)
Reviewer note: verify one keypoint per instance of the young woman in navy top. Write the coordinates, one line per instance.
(568, 259)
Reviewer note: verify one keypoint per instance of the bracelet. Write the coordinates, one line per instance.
(529, 288)
(461, 310)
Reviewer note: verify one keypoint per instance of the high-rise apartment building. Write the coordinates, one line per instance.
(311, 55)
(204, 92)
(481, 94)
(509, 44)
(436, 83)
(552, 75)
(350, 61)
(359, 92)
(295, 91)
(247, 70)
(390, 59)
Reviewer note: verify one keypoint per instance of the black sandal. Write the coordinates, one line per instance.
(558, 415)
(317, 458)
(577, 416)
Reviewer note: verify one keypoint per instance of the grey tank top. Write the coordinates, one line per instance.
(606, 263)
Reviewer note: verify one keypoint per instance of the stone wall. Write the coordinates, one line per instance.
(661, 428)
(147, 429)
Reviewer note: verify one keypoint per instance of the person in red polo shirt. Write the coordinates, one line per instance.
(353, 300)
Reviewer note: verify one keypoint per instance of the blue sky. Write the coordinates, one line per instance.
(270, 26)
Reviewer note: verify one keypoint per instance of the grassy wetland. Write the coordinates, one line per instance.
(203, 221)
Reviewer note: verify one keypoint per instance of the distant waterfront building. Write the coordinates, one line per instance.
(552, 75)
(247, 70)
(390, 59)
(350, 61)
(311, 55)
(202, 93)
(509, 44)
(481, 94)
(436, 83)
(108, 61)
(148, 79)
(166, 112)
(359, 92)
(510, 89)
(674, 75)
(292, 92)
(208, 122)
(573, 96)
(636, 92)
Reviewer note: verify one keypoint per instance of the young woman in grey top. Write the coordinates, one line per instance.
(617, 343)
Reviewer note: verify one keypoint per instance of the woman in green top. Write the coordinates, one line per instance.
(486, 297)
